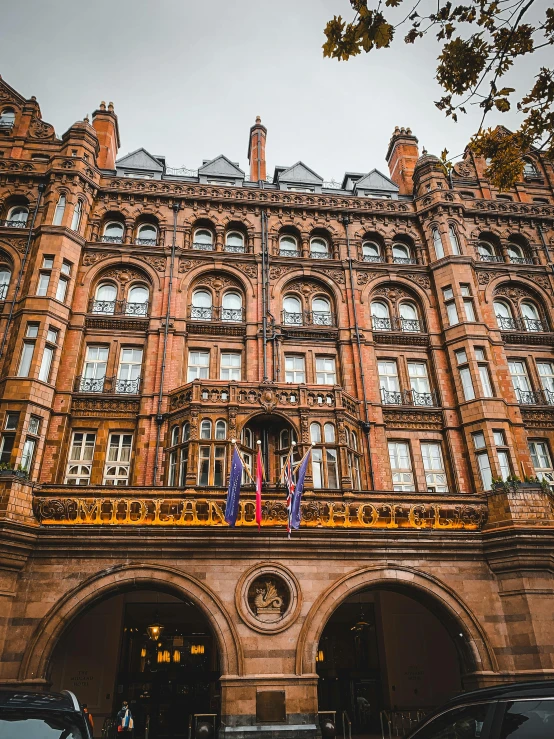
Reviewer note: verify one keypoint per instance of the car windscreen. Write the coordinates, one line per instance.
(28, 724)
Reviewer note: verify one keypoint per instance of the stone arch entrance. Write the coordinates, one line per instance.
(390, 639)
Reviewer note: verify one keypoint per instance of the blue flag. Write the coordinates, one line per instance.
(233, 493)
(299, 489)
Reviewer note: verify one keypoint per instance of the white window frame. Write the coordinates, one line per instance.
(295, 368)
(198, 370)
(230, 369)
(467, 383)
(81, 457)
(118, 457)
(402, 476)
(323, 375)
(433, 464)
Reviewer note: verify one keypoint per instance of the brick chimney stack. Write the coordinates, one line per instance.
(256, 151)
(402, 156)
(105, 124)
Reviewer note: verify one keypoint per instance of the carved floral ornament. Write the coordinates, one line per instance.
(268, 598)
(305, 287)
(366, 276)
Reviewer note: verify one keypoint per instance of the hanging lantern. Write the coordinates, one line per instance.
(155, 629)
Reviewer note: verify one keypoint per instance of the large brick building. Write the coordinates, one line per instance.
(401, 323)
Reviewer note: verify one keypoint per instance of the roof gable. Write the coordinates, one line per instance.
(221, 167)
(376, 180)
(301, 173)
(140, 159)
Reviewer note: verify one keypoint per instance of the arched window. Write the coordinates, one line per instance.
(220, 430)
(371, 252)
(59, 212)
(185, 435)
(329, 433)
(17, 217)
(315, 433)
(203, 239)
(286, 438)
(231, 307)
(206, 429)
(288, 246)
(401, 254)
(113, 233)
(234, 241)
(201, 309)
(354, 438)
(7, 118)
(487, 252)
(137, 301)
(437, 243)
(454, 240)
(531, 316)
(321, 312)
(319, 249)
(147, 235)
(292, 311)
(529, 168)
(409, 320)
(105, 299)
(76, 217)
(504, 316)
(5, 277)
(380, 316)
(247, 438)
(515, 253)
(174, 435)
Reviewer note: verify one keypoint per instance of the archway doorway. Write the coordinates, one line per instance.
(276, 436)
(383, 650)
(108, 655)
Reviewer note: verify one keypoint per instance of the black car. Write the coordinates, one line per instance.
(25, 715)
(515, 711)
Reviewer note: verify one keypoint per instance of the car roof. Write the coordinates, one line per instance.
(64, 701)
(534, 689)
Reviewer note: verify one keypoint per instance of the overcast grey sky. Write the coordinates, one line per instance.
(188, 77)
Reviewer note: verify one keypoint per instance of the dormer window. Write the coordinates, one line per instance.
(17, 217)
(529, 169)
(203, 240)
(113, 233)
(295, 188)
(7, 118)
(147, 235)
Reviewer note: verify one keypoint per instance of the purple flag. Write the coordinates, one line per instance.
(233, 493)
(299, 489)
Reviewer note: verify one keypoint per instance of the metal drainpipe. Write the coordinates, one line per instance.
(545, 247)
(159, 415)
(365, 425)
(41, 189)
(264, 291)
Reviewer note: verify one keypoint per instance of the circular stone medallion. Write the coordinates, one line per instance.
(267, 598)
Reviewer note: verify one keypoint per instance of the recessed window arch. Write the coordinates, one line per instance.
(5, 277)
(201, 308)
(315, 433)
(515, 253)
(206, 429)
(137, 300)
(7, 118)
(231, 306)
(329, 433)
(17, 216)
(288, 246)
(234, 242)
(371, 251)
(220, 430)
(409, 316)
(437, 242)
(401, 254)
(319, 248)
(203, 239)
(105, 298)
(147, 234)
(113, 232)
(454, 240)
(185, 434)
(174, 435)
(531, 316)
(321, 311)
(77, 214)
(518, 251)
(380, 316)
(530, 168)
(60, 210)
(292, 311)
(487, 251)
(285, 439)
(504, 315)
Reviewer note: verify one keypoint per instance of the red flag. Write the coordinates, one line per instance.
(259, 476)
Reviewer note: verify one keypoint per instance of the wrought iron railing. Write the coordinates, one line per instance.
(199, 246)
(234, 249)
(521, 260)
(409, 397)
(111, 385)
(216, 313)
(6, 124)
(489, 257)
(146, 242)
(319, 254)
(308, 318)
(112, 239)
(535, 397)
(3, 291)
(520, 324)
(117, 308)
(289, 252)
(404, 260)
(10, 223)
(374, 258)
(394, 323)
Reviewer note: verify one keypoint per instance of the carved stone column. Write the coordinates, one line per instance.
(219, 232)
(128, 233)
(187, 234)
(305, 245)
(388, 251)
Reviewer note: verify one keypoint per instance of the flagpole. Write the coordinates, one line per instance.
(304, 457)
(234, 441)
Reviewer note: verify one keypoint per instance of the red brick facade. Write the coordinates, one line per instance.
(379, 318)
